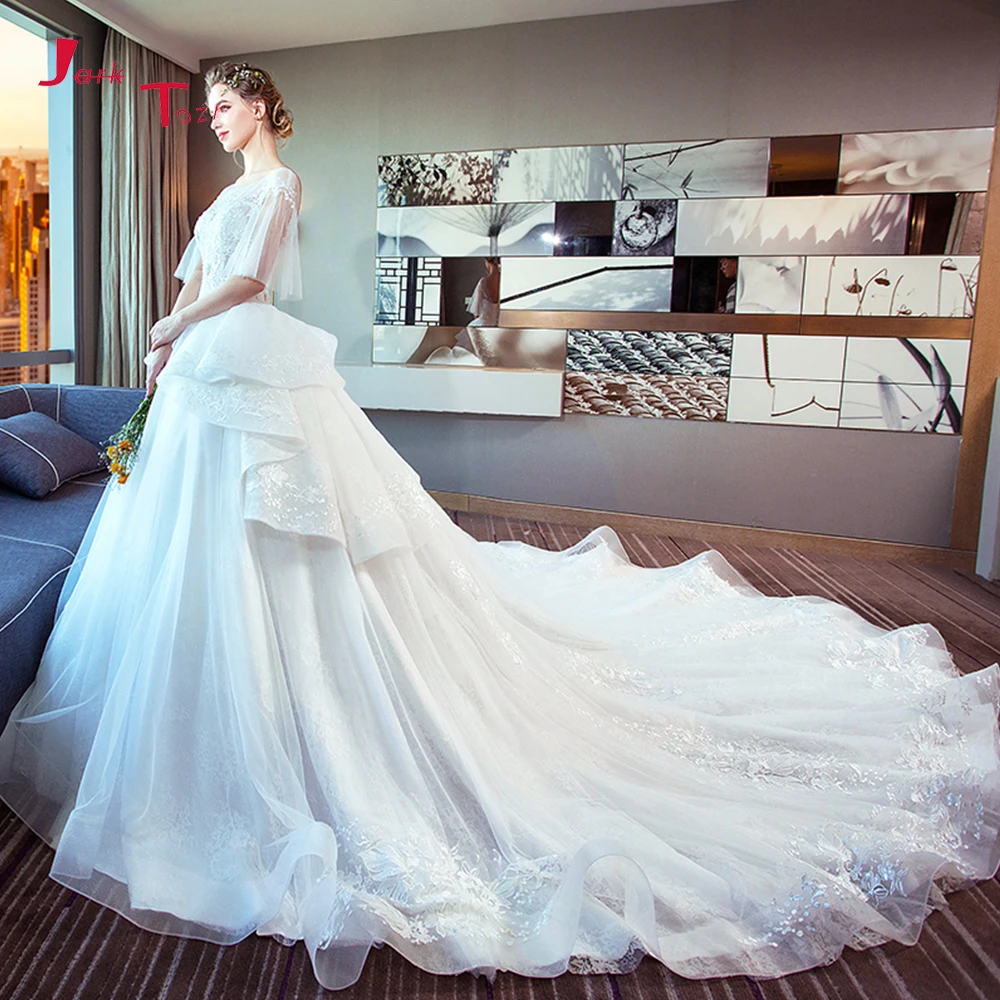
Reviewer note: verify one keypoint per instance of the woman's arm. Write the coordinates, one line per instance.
(230, 293)
(189, 291)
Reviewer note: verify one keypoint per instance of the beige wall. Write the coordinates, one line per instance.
(760, 67)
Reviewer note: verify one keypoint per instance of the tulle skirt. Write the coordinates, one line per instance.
(286, 695)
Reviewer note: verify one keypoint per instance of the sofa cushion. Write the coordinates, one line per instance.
(38, 540)
(33, 576)
(40, 537)
(60, 517)
(15, 399)
(37, 455)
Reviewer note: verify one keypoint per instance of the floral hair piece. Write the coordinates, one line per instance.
(245, 72)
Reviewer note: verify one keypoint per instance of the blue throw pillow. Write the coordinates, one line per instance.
(37, 455)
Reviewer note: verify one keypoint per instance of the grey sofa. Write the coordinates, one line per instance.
(38, 538)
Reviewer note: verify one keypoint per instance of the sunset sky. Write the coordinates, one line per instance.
(24, 109)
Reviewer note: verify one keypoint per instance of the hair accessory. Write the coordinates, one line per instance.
(246, 73)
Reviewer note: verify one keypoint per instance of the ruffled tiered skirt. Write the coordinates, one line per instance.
(285, 694)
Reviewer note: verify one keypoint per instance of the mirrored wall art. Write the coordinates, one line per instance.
(704, 284)
(935, 160)
(891, 286)
(784, 401)
(435, 178)
(470, 346)
(804, 165)
(446, 291)
(560, 173)
(470, 291)
(583, 261)
(884, 406)
(408, 290)
(907, 360)
(649, 352)
(965, 234)
(770, 285)
(466, 230)
(589, 284)
(455, 389)
(788, 356)
(701, 168)
(626, 394)
(584, 228)
(644, 228)
(856, 224)
(941, 222)
(396, 344)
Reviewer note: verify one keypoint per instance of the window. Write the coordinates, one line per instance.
(35, 341)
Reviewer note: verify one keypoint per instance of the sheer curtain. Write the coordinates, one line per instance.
(144, 211)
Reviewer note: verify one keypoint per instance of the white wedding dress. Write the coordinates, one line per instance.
(487, 313)
(285, 694)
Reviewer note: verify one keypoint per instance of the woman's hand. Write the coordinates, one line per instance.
(165, 330)
(159, 358)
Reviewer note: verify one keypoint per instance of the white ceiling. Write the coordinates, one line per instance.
(187, 31)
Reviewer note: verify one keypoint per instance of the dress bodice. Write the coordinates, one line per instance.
(485, 309)
(250, 229)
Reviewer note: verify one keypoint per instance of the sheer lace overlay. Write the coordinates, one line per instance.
(250, 230)
(307, 705)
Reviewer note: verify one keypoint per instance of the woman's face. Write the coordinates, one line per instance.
(233, 120)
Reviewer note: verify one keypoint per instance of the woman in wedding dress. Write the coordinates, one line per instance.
(485, 308)
(285, 694)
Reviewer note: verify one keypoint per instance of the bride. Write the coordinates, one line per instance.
(286, 695)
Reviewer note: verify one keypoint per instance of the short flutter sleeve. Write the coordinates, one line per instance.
(269, 247)
(190, 260)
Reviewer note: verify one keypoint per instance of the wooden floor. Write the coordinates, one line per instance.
(58, 945)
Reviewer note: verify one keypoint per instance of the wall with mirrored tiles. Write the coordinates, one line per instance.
(824, 280)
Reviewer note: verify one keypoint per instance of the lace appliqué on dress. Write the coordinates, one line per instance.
(425, 891)
(891, 660)
(221, 230)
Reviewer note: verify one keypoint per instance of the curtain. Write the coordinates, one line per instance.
(144, 208)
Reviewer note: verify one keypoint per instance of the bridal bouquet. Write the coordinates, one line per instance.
(122, 446)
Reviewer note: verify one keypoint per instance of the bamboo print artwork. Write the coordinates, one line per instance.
(651, 167)
(706, 168)
(896, 401)
(926, 419)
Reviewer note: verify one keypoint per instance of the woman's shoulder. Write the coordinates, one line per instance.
(284, 175)
(290, 179)
(286, 171)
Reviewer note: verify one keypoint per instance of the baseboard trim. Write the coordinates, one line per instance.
(708, 531)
